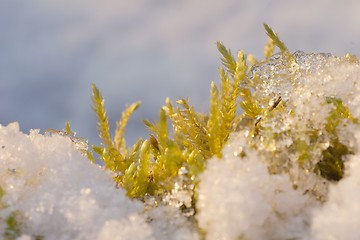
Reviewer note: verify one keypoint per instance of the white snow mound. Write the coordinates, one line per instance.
(60, 194)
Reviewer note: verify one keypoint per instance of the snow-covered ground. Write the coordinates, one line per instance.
(56, 193)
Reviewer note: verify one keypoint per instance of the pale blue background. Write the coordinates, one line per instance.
(51, 52)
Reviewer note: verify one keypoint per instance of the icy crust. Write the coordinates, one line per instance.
(262, 187)
(281, 73)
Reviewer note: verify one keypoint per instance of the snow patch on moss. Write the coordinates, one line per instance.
(242, 197)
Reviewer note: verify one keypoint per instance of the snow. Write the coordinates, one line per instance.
(170, 224)
(61, 195)
(253, 192)
(339, 216)
(240, 199)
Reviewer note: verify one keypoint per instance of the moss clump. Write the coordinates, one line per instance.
(12, 224)
(2, 194)
(151, 166)
(331, 166)
(13, 228)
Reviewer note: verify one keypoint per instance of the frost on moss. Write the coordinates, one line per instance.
(281, 163)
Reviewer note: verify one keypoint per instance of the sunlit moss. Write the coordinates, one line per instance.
(150, 166)
(183, 137)
(275, 40)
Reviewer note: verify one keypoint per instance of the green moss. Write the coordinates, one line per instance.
(12, 230)
(183, 137)
(276, 40)
(2, 194)
(331, 166)
(150, 166)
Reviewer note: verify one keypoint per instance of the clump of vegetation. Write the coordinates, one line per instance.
(12, 224)
(12, 230)
(151, 166)
(2, 194)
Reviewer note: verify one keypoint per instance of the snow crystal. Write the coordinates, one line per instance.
(170, 223)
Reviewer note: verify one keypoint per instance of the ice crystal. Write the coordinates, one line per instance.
(181, 196)
(281, 73)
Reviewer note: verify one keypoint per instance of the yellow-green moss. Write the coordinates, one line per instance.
(12, 230)
(150, 166)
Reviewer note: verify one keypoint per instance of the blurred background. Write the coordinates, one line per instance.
(51, 52)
